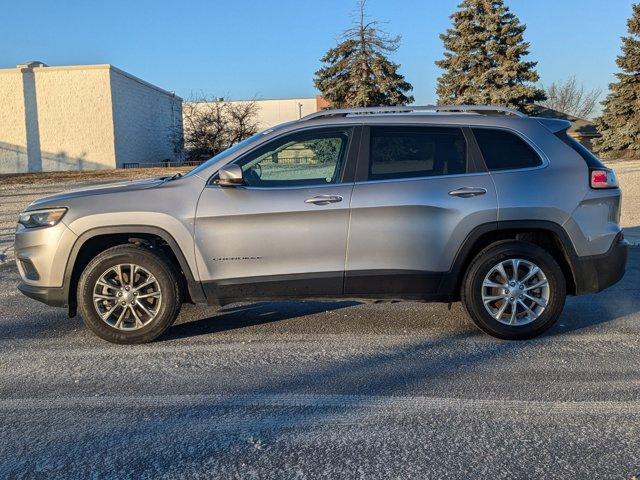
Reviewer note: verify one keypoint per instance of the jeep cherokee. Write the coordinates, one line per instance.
(482, 204)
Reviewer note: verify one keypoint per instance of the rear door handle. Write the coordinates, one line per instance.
(466, 192)
(324, 199)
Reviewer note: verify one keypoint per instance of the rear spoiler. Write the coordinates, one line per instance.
(554, 125)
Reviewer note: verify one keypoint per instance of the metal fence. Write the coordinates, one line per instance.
(195, 163)
(161, 165)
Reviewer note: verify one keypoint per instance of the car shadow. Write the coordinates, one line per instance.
(249, 315)
(579, 313)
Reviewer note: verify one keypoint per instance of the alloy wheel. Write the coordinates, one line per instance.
(515, 292)
(127, 297)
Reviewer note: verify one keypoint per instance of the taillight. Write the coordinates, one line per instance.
(603, 178)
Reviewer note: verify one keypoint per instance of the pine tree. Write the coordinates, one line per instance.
(358, 72)
(619, 124)
(483, 58)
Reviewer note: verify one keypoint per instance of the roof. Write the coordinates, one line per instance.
(413, 109)
(42, 67)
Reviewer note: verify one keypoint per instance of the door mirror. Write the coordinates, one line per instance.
(230, 176)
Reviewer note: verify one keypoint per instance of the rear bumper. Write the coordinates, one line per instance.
(594, 274)
(53, 296)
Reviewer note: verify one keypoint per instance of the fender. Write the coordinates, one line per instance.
(194, 287)
(450, 283)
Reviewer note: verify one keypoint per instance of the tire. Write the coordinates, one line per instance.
(524, 325)
(141, 320)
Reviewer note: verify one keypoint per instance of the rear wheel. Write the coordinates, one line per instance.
(514, 290)
(128, 294)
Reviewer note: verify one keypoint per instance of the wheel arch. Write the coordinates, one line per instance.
(546, 234)
(98, 239)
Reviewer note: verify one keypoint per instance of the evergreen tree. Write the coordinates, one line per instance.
(619, 124)
(358, 72)
(483, 58)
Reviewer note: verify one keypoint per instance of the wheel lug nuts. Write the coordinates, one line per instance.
(124, 303)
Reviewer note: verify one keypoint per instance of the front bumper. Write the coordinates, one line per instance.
(53, 296)
(41, 258)
(595, 273)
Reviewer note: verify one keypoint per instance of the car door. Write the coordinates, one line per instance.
(283, 233)
(419, 192)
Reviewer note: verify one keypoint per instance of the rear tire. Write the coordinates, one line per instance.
(508, 307)
(128, 294)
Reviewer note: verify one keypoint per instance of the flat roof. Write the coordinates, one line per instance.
(99, 66)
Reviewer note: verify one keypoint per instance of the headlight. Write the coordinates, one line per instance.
(41, 218)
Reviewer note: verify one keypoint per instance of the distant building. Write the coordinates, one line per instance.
(82, 117)
(273, 112)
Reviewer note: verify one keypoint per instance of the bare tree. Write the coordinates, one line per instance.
(212, 125)
(571, 98)
(242, 119)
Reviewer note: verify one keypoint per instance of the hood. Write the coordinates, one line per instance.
(59, 199)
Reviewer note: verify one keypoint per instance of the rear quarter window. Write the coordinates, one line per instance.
(503, 150)
(590, 159)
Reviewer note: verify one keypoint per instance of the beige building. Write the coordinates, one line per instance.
(274, 112)
(82, 117)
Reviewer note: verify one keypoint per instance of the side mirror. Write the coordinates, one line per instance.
(230, 176)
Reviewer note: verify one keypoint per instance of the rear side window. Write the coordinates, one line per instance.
(591, 160)
(409, 152)
(504, 150)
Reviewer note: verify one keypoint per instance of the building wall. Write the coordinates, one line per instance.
(74, 118)
(13, 152)
(82, 117)
(273, 112)
(145, 120)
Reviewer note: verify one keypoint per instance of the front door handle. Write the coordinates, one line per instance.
(466, 192)
(324, 199)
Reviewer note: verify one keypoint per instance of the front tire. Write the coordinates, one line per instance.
(128, 295)
(514, 290)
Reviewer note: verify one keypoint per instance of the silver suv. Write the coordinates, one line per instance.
(475, 203)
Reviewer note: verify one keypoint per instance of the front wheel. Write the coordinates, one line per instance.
(514, 290)
(128, 294)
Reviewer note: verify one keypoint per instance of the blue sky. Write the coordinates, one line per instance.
(270, 49)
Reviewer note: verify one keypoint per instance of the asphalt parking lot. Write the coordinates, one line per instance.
(308, 390)
(336, 390)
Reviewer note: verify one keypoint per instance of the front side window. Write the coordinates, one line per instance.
(408, 152)
(306, 158)
(504, 150)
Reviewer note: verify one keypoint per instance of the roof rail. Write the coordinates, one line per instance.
(343, 112)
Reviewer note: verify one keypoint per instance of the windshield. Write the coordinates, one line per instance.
(226, 153)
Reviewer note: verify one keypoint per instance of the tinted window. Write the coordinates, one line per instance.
(504, 150)
(591, 160)
(299, 159)
(403, 152)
